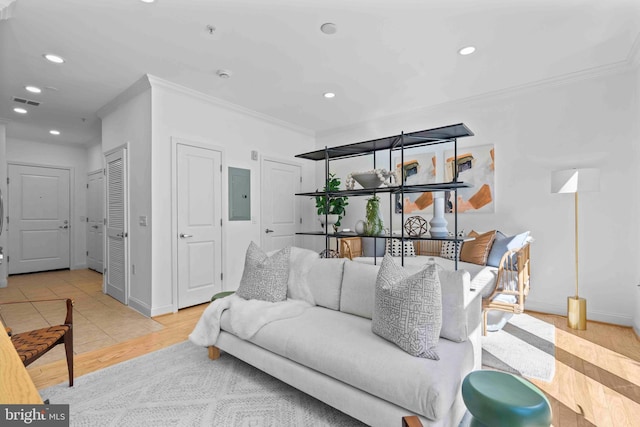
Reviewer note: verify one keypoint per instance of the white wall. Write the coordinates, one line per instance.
(95, 157)
(3, 191)
(179, 113)
(128, 122)
(582, 123)
(636, 318)
(69, 156)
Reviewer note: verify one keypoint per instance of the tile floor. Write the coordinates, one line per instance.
(99, 320)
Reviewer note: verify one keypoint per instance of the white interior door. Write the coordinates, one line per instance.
(39, 225)
(95, 220)
(280, 208)
(199, 222)
(116, 277)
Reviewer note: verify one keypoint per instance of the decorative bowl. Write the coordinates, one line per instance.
(367, 179)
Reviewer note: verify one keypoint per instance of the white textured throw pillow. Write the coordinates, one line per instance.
(451, 250)
(265, 277)
(395, 247)
(408, 309)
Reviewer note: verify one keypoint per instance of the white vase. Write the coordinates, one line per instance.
(360, 227)
(438, 222)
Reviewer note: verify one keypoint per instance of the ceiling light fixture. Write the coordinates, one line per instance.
(329, 95)
(54, 132)
(147, 1)
(329, 28)
(20, 110)
(467, 50)
(224, 74)
(33, 89)
(53, 58)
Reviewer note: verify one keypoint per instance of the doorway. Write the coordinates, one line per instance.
(198, 177)
(38, 210)
(95, 220)
(280, 209)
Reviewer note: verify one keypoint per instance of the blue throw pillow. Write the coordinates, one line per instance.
(502, 244)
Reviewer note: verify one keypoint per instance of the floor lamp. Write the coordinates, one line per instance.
(576, 181)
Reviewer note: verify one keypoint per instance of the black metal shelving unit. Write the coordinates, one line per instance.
(400, 142)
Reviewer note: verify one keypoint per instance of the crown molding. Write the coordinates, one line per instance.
(161, 83)
(140, 86)
(6, 9)
(4, 121)
(587, 74)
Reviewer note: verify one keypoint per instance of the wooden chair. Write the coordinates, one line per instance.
(513, 279)
(31, 345)
(411, 421)
(350, 247)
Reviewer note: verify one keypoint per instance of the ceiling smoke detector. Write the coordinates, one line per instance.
(223, 74)
(328, 28)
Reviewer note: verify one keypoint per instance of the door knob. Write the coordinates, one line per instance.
(184, 236)
(268, 231)
(64, 226)
(94, 226)
(121, 235)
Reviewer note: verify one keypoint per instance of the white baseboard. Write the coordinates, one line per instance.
(139, 306)
(157, 311)
(561, 310)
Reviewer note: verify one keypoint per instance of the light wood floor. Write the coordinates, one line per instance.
(597, 379)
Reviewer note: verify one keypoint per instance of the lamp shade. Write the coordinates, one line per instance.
(575, 180)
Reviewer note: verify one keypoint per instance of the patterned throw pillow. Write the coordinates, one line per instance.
(451, 250)
(265, 277)
(408, 309)
(396, 246)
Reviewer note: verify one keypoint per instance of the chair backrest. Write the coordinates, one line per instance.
(350, 247)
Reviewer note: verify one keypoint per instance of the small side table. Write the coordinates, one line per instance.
(501, 399)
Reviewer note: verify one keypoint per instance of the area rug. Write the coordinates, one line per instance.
(180, 386)
(525, 346)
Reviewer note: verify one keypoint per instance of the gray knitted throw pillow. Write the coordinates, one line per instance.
(265, 277)
(408, 309)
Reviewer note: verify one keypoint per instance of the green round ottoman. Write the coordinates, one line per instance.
(500, 399)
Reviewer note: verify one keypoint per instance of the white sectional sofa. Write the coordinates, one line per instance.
(330, 352)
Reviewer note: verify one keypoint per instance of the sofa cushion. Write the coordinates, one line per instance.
(325, 281)
(358, 288)
(502, 244)
(408, 308)
(451, 250)
(342, 346)
(265, 277)
(396, 247)
(477, 251)
(300, 264)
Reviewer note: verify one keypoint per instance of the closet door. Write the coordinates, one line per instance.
(116, 278)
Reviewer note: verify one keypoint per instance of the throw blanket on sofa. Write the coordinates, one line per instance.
(246, 317)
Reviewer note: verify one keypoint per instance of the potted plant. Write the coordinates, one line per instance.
(331, 205)
(374, 226)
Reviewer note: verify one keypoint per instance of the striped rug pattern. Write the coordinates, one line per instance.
(525, 346)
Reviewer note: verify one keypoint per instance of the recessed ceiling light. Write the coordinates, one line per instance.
(33, 89)
(53, 58)
(467, 50)
(329, 28)
(20, 110)
(54, 132)
(329, 95)
(147, 1)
